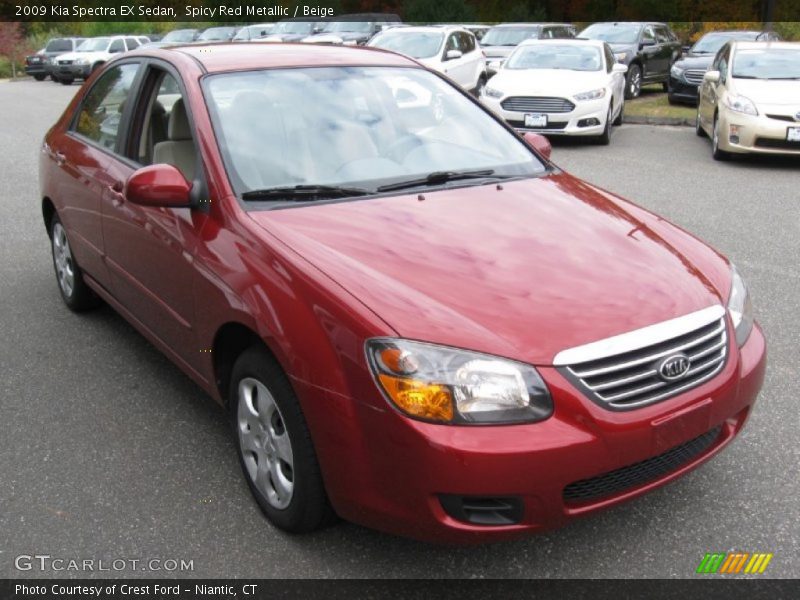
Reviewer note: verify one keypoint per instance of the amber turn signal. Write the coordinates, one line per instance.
(419, 399)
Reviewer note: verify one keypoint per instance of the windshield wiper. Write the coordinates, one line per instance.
(304, 192)
(437, 178)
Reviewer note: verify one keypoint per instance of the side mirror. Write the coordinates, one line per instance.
(686, 48)
(619, 68)
(647, 42)
(453, 54)
(158, 185)
(711, 76)
(539, 143)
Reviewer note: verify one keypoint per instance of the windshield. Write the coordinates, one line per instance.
(774, 63)
(551, 56)
(216, 34)
(348, 27)
(360, 127)
(411, 43)
(94, 45)
(508, 36)
(58, 45)
(619, 33)
(712, 42)
(180, 35)
(297, 27)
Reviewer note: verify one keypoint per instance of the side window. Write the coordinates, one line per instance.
(648, 35)
(468, 42)
(101, 110)
(452, 43)
(163, 133)
(661, 35)
(546, 34)
(131, 43)
(610, 60)
(724, 59)
(117, 46)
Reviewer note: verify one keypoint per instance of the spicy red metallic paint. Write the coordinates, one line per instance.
(523, 271)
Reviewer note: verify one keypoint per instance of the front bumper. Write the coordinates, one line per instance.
(572, 123)
(682, 90)
(36, 68)
(396, 472)
(760, 134)
(72, 71)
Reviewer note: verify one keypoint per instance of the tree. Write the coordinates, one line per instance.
(438, 11)
(13, 43)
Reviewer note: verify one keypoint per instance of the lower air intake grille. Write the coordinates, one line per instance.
(640, 473)
(537, 104)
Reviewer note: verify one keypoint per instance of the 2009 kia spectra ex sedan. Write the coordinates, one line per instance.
(416, 321)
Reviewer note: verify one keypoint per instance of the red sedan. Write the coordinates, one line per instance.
(415, 320)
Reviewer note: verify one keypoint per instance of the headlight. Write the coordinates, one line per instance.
(593, 95)
(740, 104)
(492, 93)
(448, 385)
(620, 56)
(740, 308)
(81, 61)
(676, 71)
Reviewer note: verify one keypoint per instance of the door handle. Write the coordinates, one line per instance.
(117, 197)
(60, 157)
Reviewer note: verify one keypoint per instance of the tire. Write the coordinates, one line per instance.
(261, 399)
(698, 128)
(605, 138)
(665, 86)
(66, 81)
(76, 294)
(39, 77)
(481, 84)
(716, 152)
(633, 81)
(621, 115)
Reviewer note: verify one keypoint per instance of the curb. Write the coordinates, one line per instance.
(642, 120)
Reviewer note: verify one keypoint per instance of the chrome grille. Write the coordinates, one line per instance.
(541, 104)
(65, 62)
(628, 371)
(694, 76)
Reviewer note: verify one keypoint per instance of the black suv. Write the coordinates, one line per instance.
(39, 65)
(648, 50)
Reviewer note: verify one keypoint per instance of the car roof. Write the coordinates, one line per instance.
(531, 25)
(741, 45)
(430, 28)
(562, 41)
(229, 56)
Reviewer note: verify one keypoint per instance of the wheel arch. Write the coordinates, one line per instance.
(48, 211)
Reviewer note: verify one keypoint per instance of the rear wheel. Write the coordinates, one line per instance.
(66, 81)
(74, 291)
(665, 86)
(633, 85)
(274, 445)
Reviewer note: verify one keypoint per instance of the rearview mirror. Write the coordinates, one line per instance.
(539, 143)
(711, 76)
(453, 54)
(158, 185)
(619, 68)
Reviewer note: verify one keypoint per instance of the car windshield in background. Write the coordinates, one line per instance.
(215, 34)
(613, 34)
(413, 44)
(508, 36)
(59, 45)
(775, 63)
(182, 35)
(348, 27)
(294, 27)
(550, 56)
(356, 128)
(711, 43)
(94, 45)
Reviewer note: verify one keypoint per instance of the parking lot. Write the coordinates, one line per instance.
(107, 451)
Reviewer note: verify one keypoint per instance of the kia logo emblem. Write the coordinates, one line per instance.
(674, 367)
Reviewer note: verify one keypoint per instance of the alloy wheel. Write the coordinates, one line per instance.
(62, 256)
(265, 443)
(635, 83)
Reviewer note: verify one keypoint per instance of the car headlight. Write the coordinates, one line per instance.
(492, 92)
(592, 95)
(740, 104)
(81, 61)
(740, 308)
(620, 56)
(448, 385)
(676, 71)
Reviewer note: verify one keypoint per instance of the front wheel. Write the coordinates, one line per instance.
(633, 86)
(605, 138)
(74, 291)
(39, 77)
(621, 115)
(274, 445)
(698, 126)
(66, 81)
(716, 151)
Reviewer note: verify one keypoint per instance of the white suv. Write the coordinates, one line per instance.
(89, 56)
(453, 51)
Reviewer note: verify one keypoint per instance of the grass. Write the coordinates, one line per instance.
(653, 103)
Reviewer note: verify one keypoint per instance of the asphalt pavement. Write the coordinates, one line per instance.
(108, 452)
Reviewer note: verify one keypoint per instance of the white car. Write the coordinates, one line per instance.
(560, 87)
(87, 57)
(453, 51)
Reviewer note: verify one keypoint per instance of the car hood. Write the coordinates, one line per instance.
(336, 38)
(90, 56)
(548, 82)
(695, 61)
(498, 51)
(285, 37)
(774, 92)
(524, 271)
